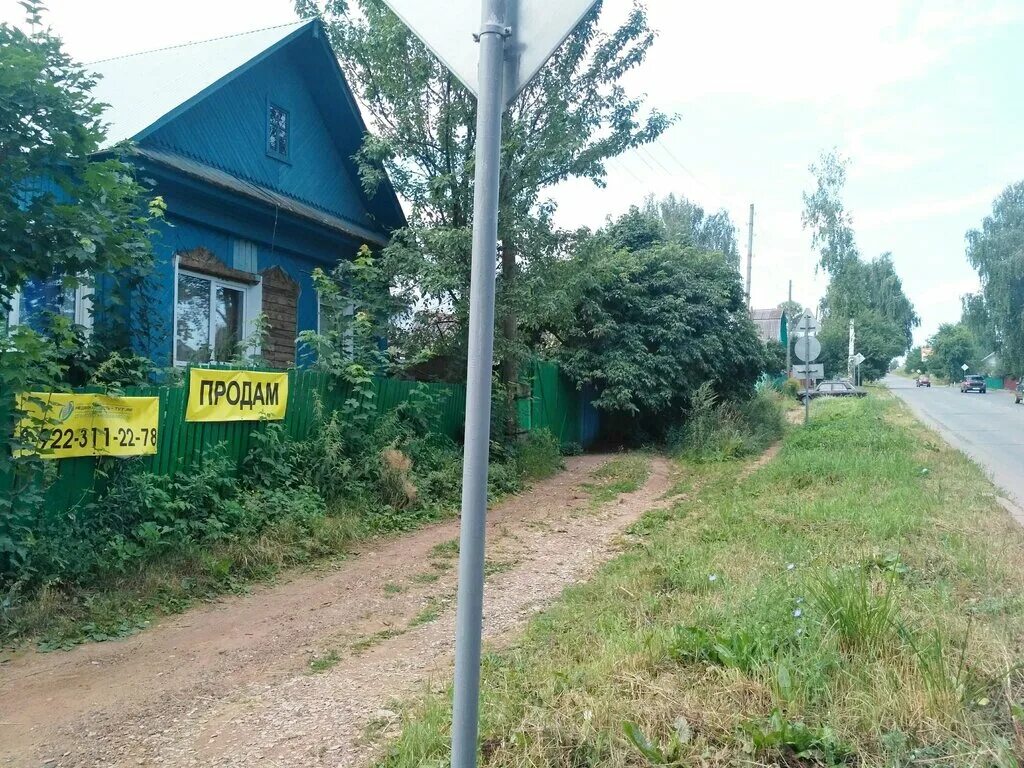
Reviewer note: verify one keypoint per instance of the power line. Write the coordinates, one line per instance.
(660, 142)
(641, 159)
(621, 164)
(656, 160)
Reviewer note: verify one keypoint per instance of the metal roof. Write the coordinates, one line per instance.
(144, 89)
(768, 322)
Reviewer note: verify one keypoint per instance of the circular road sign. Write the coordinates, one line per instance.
(807, 349)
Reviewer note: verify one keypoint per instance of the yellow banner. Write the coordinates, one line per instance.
(217, 395)
(63, 426)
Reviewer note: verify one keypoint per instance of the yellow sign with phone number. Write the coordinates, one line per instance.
(64, 426)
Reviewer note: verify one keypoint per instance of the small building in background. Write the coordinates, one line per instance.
(772, 325)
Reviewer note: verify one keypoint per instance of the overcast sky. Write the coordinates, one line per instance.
(923, 96)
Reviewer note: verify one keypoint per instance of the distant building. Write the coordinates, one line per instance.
(772, 325)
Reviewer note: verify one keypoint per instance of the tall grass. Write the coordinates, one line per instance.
(835, 607)
(716, 430)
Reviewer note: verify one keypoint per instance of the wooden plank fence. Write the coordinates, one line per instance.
(555, 404)
(311, 397)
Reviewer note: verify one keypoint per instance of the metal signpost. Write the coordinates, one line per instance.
(808, 371)
(516, 38)
(808, 350)
(857, 360)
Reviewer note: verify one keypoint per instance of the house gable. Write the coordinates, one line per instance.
(228, 130)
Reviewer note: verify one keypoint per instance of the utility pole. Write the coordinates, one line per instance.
(789, 338)
(849, 359)
(750, 253)
(807, 371)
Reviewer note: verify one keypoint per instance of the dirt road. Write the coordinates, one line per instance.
(231, 684)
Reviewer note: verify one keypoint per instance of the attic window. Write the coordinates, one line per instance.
(278, 127)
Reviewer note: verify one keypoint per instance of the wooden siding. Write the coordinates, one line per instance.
(228, 130)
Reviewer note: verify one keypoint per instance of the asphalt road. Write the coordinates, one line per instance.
(989, 428)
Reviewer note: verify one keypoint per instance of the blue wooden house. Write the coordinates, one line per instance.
(249, 140)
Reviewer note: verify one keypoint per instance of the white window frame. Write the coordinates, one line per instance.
(82, 314)
(252, 305)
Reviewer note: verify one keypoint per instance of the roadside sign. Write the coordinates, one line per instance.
(495, 47)
(964, 367)
(807, 349)
(858, 359)
(814, 371)
(537, 28)
(807, 324)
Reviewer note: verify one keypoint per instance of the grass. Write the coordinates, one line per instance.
(623, 474)
(427, 614)
(495, 567)
(121, 601)
(391, 588)
(835, 607)
(445, 549)
(366, 643)
(129, 601)
(324, 662)
(427, 577)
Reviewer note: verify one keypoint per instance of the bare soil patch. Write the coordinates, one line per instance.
(233, 683)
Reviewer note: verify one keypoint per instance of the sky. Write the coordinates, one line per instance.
(923, 97)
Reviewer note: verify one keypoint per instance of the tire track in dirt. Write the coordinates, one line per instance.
(228, 684)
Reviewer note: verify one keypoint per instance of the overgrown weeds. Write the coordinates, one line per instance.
(717, 430)
(152, 545)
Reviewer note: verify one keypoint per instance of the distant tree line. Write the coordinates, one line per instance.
(868, 292)
(989, 338)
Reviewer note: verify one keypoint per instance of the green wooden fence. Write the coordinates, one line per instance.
(555, 404)
(311, 395)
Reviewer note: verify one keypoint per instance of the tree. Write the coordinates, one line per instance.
(793, 310)
(686, 223)
(953, 346)
(877, 339)
(914, 362)
(870, 293)
(996, 251)
(566, 123)
(977, 318)
(66, 214)
(67, 217)
(831, 226)
(647, 327)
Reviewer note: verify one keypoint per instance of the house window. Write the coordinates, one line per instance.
(209, 319)
(36, 302)
(278, 132)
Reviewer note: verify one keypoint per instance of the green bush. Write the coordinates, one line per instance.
(539, 455)
(713, 430)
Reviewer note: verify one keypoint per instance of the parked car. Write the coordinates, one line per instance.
(924, 381)
(974, 382)
(1018, 393)
(833, 388)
